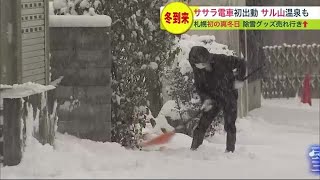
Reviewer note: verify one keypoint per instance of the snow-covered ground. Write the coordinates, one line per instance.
(272, 143)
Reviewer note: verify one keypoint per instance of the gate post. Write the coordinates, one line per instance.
(12, 131)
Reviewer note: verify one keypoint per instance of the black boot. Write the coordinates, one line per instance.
(231, 142)
(197, 140)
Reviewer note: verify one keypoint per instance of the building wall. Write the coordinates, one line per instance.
(8, 59)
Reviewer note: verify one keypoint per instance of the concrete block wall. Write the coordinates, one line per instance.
(82, 55)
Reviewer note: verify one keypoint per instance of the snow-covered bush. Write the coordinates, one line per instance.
(140, 51)
(78, 7)
(185, 105)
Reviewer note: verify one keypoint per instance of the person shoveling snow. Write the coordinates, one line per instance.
(217, 78)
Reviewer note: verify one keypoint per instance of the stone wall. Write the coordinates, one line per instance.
(82, 56)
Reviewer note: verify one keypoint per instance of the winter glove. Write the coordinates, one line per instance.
(238, 84)
(207, 105)
(235, 71)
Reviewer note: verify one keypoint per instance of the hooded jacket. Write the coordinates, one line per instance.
(218, 83)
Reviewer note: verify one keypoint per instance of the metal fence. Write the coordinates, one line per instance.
(286, 67)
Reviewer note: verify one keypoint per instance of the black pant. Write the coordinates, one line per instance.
(229, 107)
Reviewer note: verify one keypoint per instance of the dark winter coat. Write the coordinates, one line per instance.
(217, 84)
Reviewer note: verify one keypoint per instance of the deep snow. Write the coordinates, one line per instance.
(272, 143)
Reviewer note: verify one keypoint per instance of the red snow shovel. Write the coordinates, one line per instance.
(161, 139)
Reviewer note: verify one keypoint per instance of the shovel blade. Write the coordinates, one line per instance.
(161, 139)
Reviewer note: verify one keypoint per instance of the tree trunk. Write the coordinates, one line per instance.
(154, 88)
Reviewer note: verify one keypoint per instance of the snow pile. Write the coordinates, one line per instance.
(187, 42)
(155, 127)
(23, 90)
(79, 21)
(267, 147)
(59, 4)
(160, 123)
(293, 113)
(169, 109)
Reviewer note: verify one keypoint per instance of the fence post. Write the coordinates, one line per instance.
(12, 131)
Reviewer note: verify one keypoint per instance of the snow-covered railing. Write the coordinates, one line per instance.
(28, 113)
(81, 53)
(286, 67)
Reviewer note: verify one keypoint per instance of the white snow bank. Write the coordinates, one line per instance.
(79, 21)
(160, 123)
(187, 42)
(170, 109)
(293, 113)
(23, 90)
(264, 150)
(58, 4)
(292, 103)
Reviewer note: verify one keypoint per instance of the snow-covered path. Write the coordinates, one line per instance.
(272, 143)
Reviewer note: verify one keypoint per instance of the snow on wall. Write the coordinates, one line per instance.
(73, 20)
(23, 90)
(79, 21)
(30, 124)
